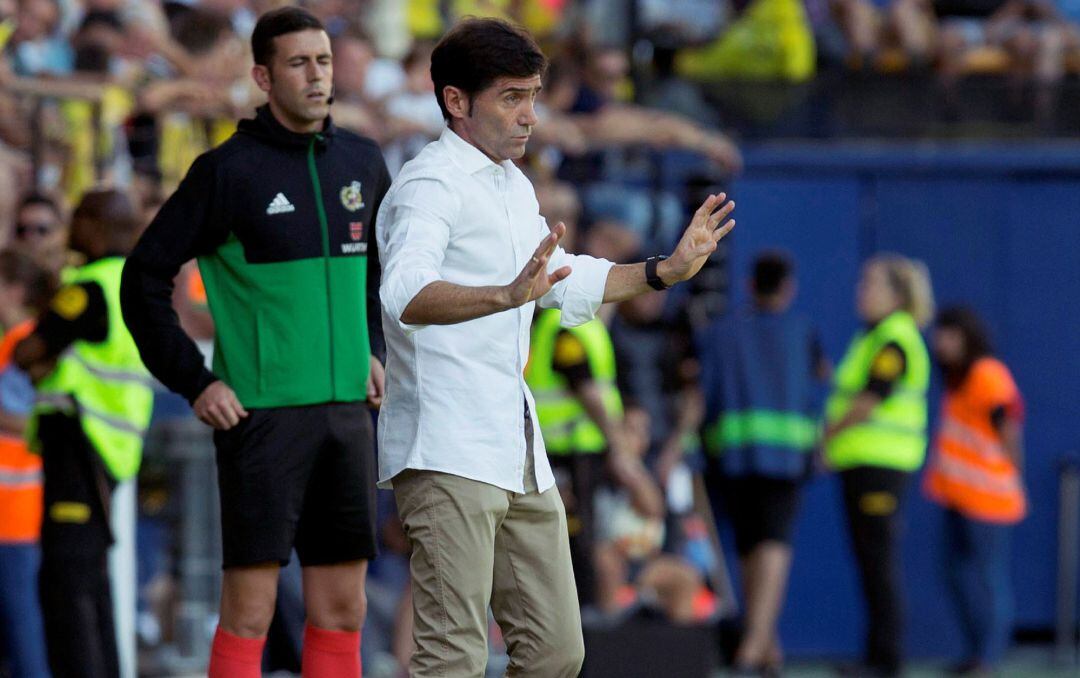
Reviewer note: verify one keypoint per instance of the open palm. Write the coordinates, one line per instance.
(701, 236)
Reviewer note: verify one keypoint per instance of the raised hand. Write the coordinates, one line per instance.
(699, 240)
(534, 281)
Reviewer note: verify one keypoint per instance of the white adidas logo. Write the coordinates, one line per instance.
(280, 205)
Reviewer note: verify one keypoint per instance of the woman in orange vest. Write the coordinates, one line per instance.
(974, 473)
(24, 287)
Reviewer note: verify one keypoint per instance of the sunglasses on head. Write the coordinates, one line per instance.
(23, 230)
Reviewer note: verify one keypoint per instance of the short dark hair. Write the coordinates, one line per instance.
(17, 268)
(38, 198)
(476, 52)
(114, 210)
(281, 21)
(771, 269)
(198, 31)
(977, 342)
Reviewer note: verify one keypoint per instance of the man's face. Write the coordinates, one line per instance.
(40, 234)
(501, 117)
(298, 79)
(36, 19)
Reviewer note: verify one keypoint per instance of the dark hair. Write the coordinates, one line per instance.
(976, 340)
(281, 21)
(17, 268)
(771, 269)
(198, 31)
(115, 212)
(36, 198)
(476, 52)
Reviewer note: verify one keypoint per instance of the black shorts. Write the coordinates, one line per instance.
(298, 476)
(759, 508)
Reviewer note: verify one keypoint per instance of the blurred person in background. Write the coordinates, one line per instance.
(40, 232)
(25, 290)
(91, 413)
(875, 437)
(571, 373)
(759, 368)
(38, 46)
(975, 474)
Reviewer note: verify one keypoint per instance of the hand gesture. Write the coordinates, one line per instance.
(534, 281)
(219, 407)
(699, 240)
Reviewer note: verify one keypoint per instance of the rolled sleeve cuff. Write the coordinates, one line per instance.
(399, 290)
(583, 291)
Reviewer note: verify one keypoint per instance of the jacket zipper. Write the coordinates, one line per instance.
(321, 209)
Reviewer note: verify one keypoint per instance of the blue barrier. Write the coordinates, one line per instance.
(999, 228)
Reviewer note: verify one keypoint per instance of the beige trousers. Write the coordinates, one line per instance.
(474, 544)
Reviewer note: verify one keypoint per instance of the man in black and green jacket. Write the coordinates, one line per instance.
(280, 218)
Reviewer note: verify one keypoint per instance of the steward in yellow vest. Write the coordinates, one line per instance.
(92, 410)
(875, 436)
(571, 373)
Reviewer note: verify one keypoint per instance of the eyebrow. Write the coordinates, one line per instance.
(321, 55)
(525, 90)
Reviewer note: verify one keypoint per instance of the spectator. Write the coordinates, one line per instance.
(975, 474)
(25, 289)
(89, 419)
(38, 47)
(40, 232)
(758, 372)
(875, 436)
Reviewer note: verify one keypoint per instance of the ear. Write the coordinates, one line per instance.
(261, 75)
(457, 101)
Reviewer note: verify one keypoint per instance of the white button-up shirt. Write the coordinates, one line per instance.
(455, 393)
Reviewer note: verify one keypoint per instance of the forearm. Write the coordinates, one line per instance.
(12, 424)
(592, 400)
(626, 281)
(861, 408)
(166, 350)
(1012, 440)
(443, 303)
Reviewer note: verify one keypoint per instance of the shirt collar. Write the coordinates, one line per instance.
(468, 157)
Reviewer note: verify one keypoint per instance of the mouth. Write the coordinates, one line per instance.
(316, 96)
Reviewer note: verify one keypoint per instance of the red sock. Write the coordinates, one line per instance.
(330, 654)
(232, 656)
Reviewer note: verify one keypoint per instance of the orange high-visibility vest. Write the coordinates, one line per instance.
(20, 469)
(970, 471)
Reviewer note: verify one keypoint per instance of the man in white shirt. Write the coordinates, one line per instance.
(467, 257)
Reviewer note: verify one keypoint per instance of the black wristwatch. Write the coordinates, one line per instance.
(650, 273)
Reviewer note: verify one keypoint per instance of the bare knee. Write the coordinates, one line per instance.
(334, 596)
(247, 600)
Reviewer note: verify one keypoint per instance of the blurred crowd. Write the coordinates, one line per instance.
(126, 93)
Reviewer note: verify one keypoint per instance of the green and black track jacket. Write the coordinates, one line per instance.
(283, 227)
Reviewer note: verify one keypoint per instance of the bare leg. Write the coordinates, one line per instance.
(765, 573)
(248, 595)
(334, 595)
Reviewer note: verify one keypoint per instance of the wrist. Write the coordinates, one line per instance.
(502, 298)
(665, 273)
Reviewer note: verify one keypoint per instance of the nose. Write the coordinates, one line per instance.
(528, 117)
(317, 72)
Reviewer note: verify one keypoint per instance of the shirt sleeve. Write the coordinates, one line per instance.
(190, 223)
(580, 294)
(886, 369)
(77, 312)
(413, 229)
